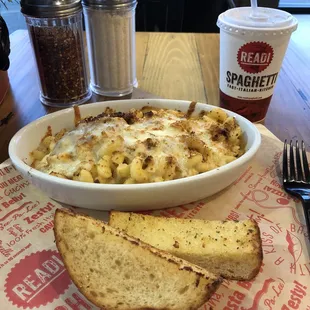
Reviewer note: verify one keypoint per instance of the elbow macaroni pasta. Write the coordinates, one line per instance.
(146, 145)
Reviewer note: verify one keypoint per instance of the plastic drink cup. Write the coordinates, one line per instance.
(252, 48)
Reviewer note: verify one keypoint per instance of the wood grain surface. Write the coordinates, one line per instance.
(169, 65)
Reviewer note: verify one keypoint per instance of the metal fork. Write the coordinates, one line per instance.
(296, 176)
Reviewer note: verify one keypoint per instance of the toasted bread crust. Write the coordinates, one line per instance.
(232, 249)
(182, 265)
(258, 248)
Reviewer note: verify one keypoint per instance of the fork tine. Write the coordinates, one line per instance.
(292, 163)
(299, 175)
(305, 162)
(285, 163)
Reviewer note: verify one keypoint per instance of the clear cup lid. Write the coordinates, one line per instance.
(263, 18)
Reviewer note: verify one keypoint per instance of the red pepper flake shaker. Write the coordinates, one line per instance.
(55, 30)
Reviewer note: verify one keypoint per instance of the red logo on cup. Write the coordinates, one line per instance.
(37, 279)
(255, 57)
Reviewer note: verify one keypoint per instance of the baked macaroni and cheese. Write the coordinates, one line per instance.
(143, 145)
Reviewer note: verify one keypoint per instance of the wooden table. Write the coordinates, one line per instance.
(169, 65)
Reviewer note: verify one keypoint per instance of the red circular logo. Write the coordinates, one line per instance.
(255, 57)
(37, 279)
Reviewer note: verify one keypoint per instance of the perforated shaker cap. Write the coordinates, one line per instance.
(110, 4)
(267, 20)
(50, 8)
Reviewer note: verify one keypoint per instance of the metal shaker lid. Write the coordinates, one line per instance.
(50, 8)
(113, 4)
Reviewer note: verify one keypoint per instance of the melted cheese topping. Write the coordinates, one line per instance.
(167, 144)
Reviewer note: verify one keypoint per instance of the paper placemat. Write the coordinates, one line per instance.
(32, 274)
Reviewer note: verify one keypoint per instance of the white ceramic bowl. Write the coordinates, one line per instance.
(126, 196)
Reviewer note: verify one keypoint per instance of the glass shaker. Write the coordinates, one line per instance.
(56, 33)
(110, 32)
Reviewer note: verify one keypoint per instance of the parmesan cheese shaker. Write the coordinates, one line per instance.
(110, 32)
(56, 34)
